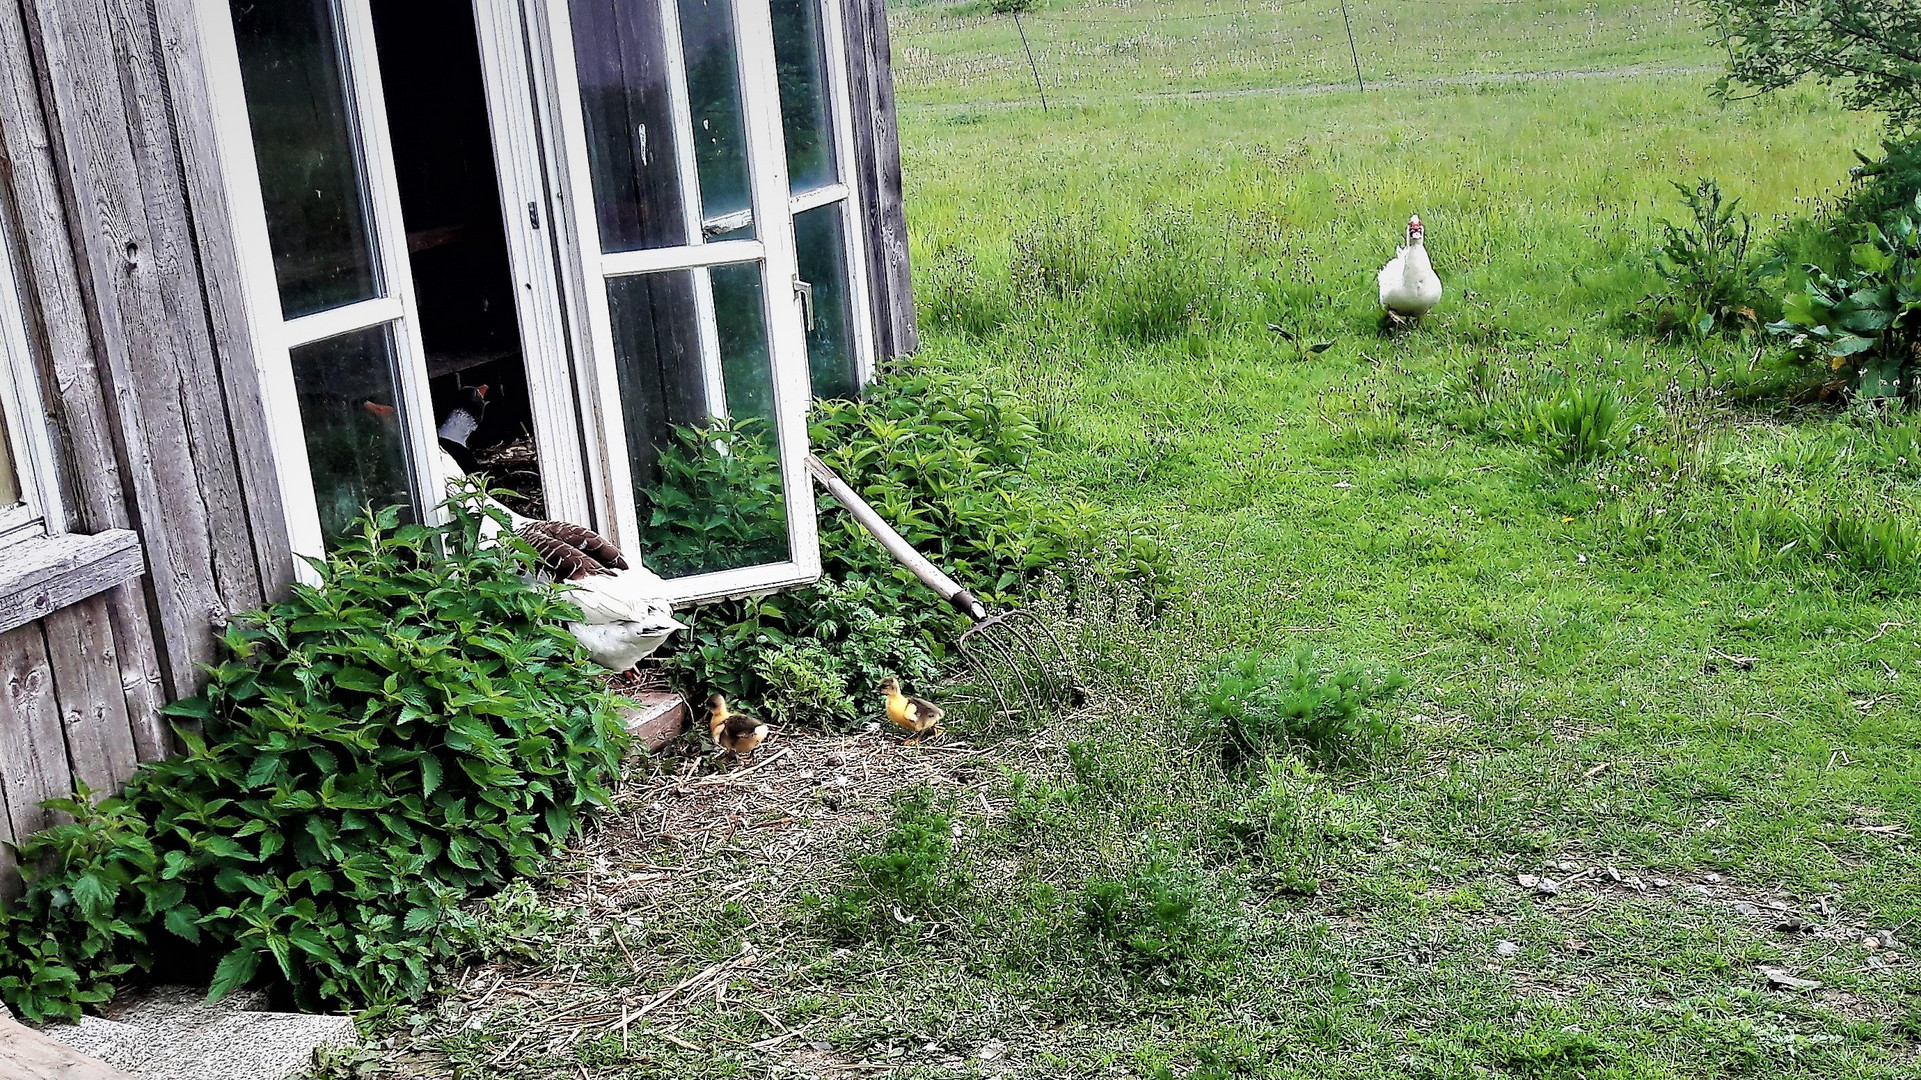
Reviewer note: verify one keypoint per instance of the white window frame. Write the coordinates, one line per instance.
(274, 335)
(847, 191)
(772, 248)
(539, 138)
(39, 512)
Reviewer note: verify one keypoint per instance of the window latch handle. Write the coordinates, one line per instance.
(805, 290)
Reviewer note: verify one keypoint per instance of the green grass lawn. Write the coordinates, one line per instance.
(1678, 683)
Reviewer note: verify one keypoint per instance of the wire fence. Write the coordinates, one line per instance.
(1105, 49)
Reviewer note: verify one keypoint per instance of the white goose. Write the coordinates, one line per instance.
(1409, 288)
(625, 615)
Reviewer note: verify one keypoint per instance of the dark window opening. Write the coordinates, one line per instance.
(432, 80)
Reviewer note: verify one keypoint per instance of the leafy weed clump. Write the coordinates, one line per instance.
(945, 461)
(1258, 706)
(1577, 425)
(911, 876)
(1152, 920)
(1713, 283)
(417, 728)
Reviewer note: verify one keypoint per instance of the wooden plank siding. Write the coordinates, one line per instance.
(110, 202)
(108, 137)
(870, 77)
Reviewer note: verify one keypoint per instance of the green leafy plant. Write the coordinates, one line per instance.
(945, 460)
(1151, 918)
(1257, 705)
(1713, 284)
(1870, 50)
(1579, 424)
(1864, 328)
(909, 875)
(415, 728)
(719, 503)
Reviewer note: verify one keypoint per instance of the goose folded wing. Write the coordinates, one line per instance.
(570, 551)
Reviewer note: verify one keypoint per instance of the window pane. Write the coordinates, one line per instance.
(297, 101)
(713, 92)
(821, 240)
(801, 59)
(354, 444)
(708, 492)
(625, 91)
(9, 473)
(619, 52)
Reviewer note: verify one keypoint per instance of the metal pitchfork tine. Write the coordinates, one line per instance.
(1011, 641)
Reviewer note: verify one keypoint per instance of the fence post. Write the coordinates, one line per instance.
(1356, 53)
(1033, 67)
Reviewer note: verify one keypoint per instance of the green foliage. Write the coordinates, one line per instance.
(1885, 189)
(1712, 283)
(910, 875)
(1147, 280)
(1580, 424)
(1864, 327)
(417, 727)
(1550, 1055)
(1869, 49)
(1151, 918)
(1011, 7)
(945, 461)
(719, 502)
(1256, 706)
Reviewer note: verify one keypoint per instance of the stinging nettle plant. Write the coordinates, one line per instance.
(416, 728)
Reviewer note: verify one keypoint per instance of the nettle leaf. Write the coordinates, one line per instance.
(234, 972)
(92, 896)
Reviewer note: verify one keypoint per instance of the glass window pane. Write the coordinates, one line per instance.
(820, 238)
(713, 93)
(297, 102)
(355, 449)
(708, 492)
(619, 51)
(800, 55)
(10, 495)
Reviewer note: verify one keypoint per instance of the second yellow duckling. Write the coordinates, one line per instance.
(918, 715)
(737, 733)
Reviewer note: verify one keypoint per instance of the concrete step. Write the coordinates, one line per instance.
(171, 1033)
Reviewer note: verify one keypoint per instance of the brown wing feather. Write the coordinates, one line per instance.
(569, 551)
(559, 558)
(926, 711)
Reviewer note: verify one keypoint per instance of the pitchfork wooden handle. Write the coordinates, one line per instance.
(896, 544)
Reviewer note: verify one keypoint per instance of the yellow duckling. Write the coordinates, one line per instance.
(737, 733)
(918, 715)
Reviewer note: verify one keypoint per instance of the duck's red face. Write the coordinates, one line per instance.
(1414, 226)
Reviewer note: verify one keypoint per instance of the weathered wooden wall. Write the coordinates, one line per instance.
(110, 202)
(870, 70)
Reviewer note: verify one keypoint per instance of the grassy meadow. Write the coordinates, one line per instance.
(1660, 744)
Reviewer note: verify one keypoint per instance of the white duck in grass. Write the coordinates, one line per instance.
(1409, 287)
(625, 615)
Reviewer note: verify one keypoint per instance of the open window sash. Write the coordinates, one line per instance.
(671, 148)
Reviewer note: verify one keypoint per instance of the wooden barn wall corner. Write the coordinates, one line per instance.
(877, 171)
(62, 333)
(181, 389)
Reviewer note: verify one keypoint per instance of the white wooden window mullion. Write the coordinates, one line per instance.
(369, 110)
(787, 332)
(853, 221)
(334, 322)
(39, 510)
(816, 197)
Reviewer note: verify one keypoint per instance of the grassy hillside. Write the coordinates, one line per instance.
(1659, 752)
(947, 55)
